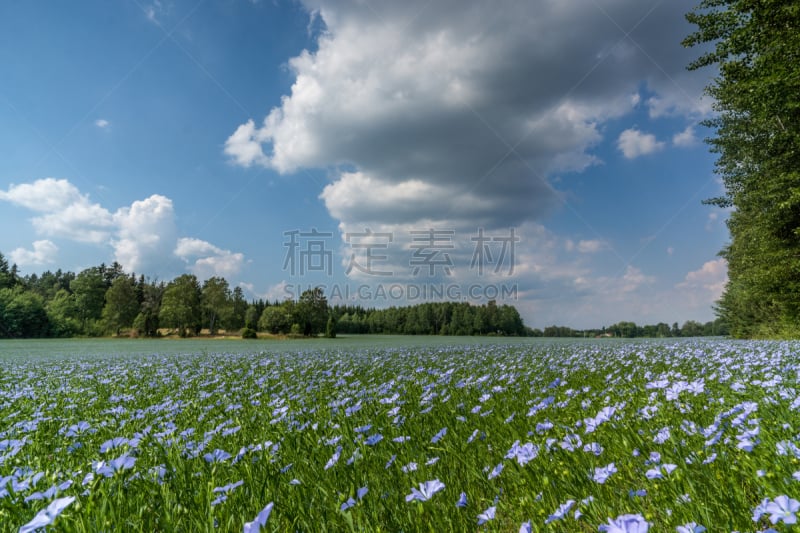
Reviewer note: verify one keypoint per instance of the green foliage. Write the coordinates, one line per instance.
(122, 306)
(757, 51)
(7, 281)
(330, 327)
(433, 318)
(237, 315)
(74, 305)
(251, 317)
(312, 312)
(278, 319)
(49, 283)
(296, 423)
(22, 314)
(180, 306)
(63, 312)
(89, 290)
(249, 333)
(150, 296)
(691, 328)
(216, 301)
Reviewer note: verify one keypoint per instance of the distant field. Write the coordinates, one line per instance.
(399, 434)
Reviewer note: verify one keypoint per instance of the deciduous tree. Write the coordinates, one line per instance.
(756, 47)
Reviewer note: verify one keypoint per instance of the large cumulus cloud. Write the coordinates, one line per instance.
(476, 102)
(143, 236)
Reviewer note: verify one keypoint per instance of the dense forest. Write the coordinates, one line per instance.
(434, 318)
(756, 47)
(104, 300)
(630, 330)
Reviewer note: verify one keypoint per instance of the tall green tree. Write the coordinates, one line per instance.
(691, 328)
(756, 46)
(238, 311)
(6, 281)
(216, 300)
(150, 294)
(180, 306)
(252, 318)
(278, 318)
(63, 313)
(122, 306)
(330, 327)
(312, 312)
(89, 289)
(22, 314)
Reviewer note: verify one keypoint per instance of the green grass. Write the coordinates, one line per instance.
(299, 401)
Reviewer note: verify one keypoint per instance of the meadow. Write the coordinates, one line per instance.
(399, 434)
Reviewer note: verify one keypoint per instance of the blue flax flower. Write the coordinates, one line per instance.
(462, 500)
(217, 456)
(691, 527)
(783, 509)
(348, 504)
(602, 473)
(48, 515)
(123, 462)
(561, 512)
(426, 491)
(487, 515)
(627, 523)
(436, 438)
(260, 521)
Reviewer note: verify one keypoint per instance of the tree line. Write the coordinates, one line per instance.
(104, 300)
(433, 318)
(630, 330)
(756, 47)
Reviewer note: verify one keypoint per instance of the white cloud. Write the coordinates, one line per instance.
(102, 123)
(712, 276)
(685, 137)
(244, 146)
(711, 221)
(670, 250)
(414, 107)
(64, 211)
(425, 107)
(634, 143)
(359, 197)
(193, 247)
(143, 236)
(154, 11)
(585, 246)
(145, 233)
(82, 222)
(634, 278)
(676, 100)
(44, 195)
(704, 286)
(205, 260)
(43, 253)
(591, 246)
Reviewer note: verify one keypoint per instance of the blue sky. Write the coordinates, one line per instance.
(192, 136)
